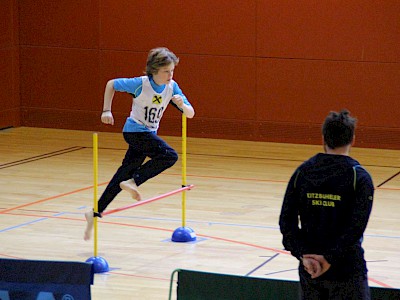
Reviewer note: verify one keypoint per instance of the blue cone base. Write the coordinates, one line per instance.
(100, 265)
(183, 234)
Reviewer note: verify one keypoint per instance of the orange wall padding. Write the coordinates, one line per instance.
(256, 70)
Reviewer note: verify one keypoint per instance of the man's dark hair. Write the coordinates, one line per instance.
(338, 129)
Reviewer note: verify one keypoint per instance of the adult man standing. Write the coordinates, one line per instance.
(324, 214)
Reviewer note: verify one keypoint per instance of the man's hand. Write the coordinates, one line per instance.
(322, 262)
(312, 266)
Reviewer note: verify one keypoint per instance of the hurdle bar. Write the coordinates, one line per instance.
(159, 197)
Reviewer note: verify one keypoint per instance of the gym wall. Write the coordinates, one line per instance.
(254, 70)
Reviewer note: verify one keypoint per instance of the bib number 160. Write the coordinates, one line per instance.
(153, 114)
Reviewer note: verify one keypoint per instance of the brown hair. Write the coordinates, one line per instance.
(159, 57)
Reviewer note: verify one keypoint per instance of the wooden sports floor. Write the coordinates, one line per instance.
(47, 185)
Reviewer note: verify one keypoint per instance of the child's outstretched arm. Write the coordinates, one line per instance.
(187, 109)
(106, 115)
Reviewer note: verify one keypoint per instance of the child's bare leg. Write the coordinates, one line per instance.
(89, 225)
(131, 187)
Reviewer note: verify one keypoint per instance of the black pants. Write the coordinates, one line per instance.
(141, 145)
(355, 288)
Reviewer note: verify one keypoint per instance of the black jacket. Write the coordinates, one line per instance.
(331, 197)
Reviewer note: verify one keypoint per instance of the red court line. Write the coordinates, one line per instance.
(48, 217)
(9, 256)
(48, 199)
(200, 235)
(245, 244)
(262, 180)
(388, 189)
(231, 178)
(169, 174)
(139, 276)
(379, 283)
(90, 187)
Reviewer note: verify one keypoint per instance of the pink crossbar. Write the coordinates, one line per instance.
(159, 197)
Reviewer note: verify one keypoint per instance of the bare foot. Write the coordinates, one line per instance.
(89, 226)
(131, 187)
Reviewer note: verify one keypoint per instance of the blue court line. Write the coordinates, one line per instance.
(382, 236)
(268, 260)
(23, 224)
(195, 222)
(226, 224)
(191, 221)
(283, 271)
(29, 223)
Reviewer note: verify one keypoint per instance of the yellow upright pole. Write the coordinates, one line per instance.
(183, 169)
(100, 265)
(95, 186)
(183, 233)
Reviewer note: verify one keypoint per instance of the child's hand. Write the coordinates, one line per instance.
(107, 118)
(177, 99)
